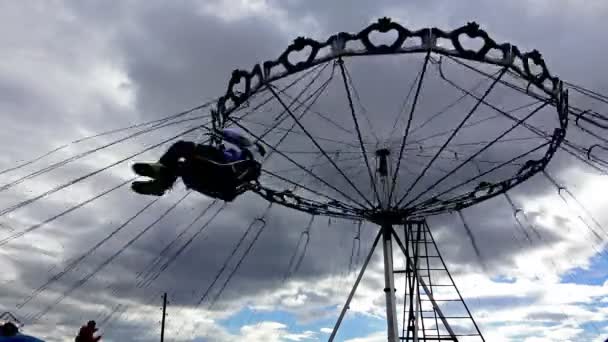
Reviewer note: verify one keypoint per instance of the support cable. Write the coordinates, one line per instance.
(238, 265)
(108, 261)
(471, 236)
(112, 131)
(480, 151)
(565, 146)
(147, 273)
(581, 207)
(510, 161)
(303, 240)
(315, 94)
(37, 226)
(404, 104)
(22, 204)
(271, 146)
(407, 127)
(364, 111)
(354, 289)
(516, 210)
(356, 249)
(317, 145)
(184, 246)
(232, 254)
(469, 114)
(315, 97)
(72, 265)
(68, 160)
(352, 111)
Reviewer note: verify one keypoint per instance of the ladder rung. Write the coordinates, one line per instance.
(421, 269)
(450, 317)
(441, 337)
(435, 338)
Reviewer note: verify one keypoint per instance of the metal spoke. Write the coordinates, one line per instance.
(471, 112)
(364, 111)
(407, 98)
(272, 147)
(314, 79)
(407, 127)
(488, 171)
(316, 94)
(314, 141)
(302, 134)
(517, 124)
(323, 116)
(352, 110)
(299, 185)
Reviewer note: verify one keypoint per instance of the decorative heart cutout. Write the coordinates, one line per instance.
(441, 42)
(240, 87)
(355, 45)
(471, 44)
(325, 51)
(471, 41)
(535, 66)
(256, 79)
(519, 63)
(276, 70)
(383, 39)
(535, 70)
(496, 54)
(229, 106)
(296, 57)
(303, 50)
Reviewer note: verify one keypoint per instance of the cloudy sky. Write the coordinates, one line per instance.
(74, 68)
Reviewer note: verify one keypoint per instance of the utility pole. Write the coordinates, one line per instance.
(162, 326)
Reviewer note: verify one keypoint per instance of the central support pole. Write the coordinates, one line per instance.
(389, 283)
(383, 171)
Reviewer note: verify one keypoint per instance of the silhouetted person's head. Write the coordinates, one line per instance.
(9, 329)
(91, 324)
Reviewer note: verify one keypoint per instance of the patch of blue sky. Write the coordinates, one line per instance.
(354, 325)
(595, 274)
(504, 279)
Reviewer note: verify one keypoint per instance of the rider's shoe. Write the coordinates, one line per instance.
(154, 188)
(152, 170)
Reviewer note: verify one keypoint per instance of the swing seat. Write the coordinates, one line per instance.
(224, 181)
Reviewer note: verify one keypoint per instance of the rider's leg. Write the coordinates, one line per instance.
(177, 151)
(169, 161)
(165, 172)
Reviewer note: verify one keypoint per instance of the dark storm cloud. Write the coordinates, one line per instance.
(177, 58)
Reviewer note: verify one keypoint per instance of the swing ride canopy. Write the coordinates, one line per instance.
(480, 124)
